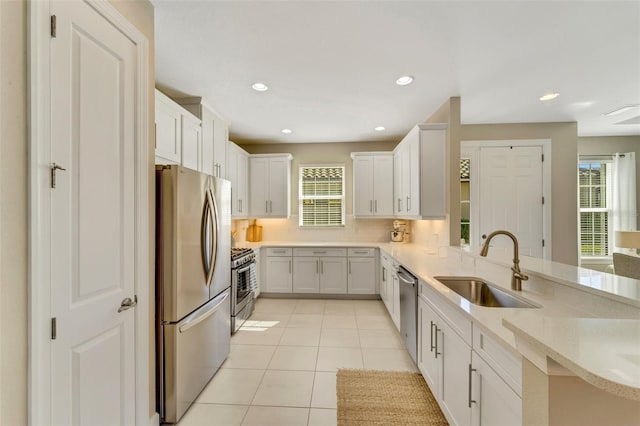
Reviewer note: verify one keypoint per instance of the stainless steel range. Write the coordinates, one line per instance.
(243, 284)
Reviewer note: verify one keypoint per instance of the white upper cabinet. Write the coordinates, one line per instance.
(178, 134)
(191, 142)
(214, 136)
(238, 174)
(420, 173)
(168, 130)
(270, 185)
(372, 184)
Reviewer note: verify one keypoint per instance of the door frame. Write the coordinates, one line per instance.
(471, 149)
(39, 212)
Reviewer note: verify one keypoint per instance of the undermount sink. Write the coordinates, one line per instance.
(479, 292)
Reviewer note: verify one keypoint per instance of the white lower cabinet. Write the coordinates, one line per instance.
(494, 402)
(465, 385)
(361, 278)
(320, 270)
(444, 359)
(278, 273)
(333, 275)
(390, 288)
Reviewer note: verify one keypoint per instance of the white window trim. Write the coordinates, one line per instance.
(300, 197)
(597, 259)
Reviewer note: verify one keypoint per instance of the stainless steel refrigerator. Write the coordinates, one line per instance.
(193, 244)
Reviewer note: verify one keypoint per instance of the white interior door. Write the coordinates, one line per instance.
(93, 119)
(510, 197)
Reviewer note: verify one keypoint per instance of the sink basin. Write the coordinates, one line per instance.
(479, 292)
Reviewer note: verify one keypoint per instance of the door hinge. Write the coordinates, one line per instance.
(54, 328)
(53, 26)
(542, 243)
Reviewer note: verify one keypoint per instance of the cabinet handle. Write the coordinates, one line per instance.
(384, 274)
(408, 203)
(432, 345)
(370, 206)
(317, 266)
(322, 267)
(349, 267)
(289, 266)
(320, 252)
(241, 206)
(471, 370)
(360, 251)
(436, 346)
(270, 206)
(399, 204)
(375, 206)
(266, 206)
(278, 251)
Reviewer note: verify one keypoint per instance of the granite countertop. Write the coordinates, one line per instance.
(588, 321)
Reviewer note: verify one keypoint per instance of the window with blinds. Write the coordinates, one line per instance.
(321, 196)
(594, 179)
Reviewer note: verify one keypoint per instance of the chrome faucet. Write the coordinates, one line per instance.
(516, 277)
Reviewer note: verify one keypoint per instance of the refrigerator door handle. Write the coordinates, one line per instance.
(209, 235)
(197, 317)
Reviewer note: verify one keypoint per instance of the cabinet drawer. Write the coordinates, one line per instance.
(279, 251)
(320, 251)
(507, 364)
(457, 320)
(362, 252)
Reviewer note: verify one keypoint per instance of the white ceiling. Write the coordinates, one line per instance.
(331, 66)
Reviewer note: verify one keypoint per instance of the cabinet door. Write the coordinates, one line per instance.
(397, 183)
(279, 187)
(232, 175)
(495, 402)
(208, 165)
(362, 275)
(243, 176)
(396, 299)
(220, 142)
(306, 271)
(428, 362)
(383, 281)
(382, 185)
(454, 399)
(412, 191)
(258, 187)
(333, 275)
(168, 131)
(405, 198)
(191, 141)
(279, 275)
(433, 177)
(363, 186)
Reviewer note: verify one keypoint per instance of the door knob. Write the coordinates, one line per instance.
(127, 303)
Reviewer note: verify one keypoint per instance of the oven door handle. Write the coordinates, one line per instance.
(246, 268)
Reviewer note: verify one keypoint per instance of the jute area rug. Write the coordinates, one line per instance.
(385, 398)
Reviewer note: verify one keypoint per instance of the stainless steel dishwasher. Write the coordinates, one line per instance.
(408, 309)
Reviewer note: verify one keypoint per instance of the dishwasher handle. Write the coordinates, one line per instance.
(406, 277)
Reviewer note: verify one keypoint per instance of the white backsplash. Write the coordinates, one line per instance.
(431, 234)
(360, 230)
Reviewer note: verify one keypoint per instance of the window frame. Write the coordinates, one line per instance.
(342, 198)
(608, 210)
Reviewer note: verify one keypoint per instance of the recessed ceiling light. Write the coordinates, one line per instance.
(549, 96)
(379, 128)
(404, 80)
(260, 87)
(286, 131)
(620, 110)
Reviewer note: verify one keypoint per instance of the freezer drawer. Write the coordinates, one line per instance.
(194, 349)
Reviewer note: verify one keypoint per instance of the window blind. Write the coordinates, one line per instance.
(594, 209)
(321, 196)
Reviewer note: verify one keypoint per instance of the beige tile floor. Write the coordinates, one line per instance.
(283, 362)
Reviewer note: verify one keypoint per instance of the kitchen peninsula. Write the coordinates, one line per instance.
(577, 352)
